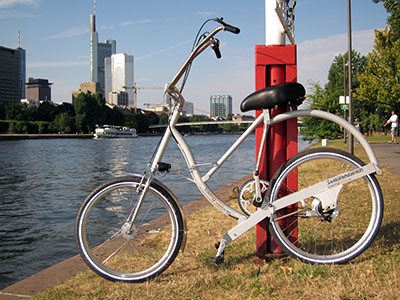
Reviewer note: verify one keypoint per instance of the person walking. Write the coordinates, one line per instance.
(394, 120)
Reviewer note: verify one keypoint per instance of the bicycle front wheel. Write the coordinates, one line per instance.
(120, 252)
(314, 234)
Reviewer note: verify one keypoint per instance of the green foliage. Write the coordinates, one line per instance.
(2, 111)
(46, 111)
(317, 128)
(85, 112)
(393, 8)
(137, 121)
(14, 111)
(31, 113)
(64, 122)
(368, 114)
(4, 125)
(163, 119)
(23, 127)
(153, 118)
(380, 83)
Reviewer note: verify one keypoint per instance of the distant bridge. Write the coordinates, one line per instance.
(299, 123)
(202, 123)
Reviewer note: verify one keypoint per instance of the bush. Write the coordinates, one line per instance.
(4, 126)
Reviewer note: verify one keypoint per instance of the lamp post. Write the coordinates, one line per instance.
(345, 93)
(351, 141)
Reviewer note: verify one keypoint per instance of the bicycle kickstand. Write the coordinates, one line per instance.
(219, 259)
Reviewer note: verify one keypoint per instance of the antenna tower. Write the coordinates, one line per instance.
(94, 7)
(19, 39)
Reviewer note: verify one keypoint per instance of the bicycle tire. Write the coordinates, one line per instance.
(117, 254)
(335, 236)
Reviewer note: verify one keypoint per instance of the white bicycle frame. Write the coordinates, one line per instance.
(330, 187)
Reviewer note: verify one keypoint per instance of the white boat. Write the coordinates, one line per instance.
(111, 131)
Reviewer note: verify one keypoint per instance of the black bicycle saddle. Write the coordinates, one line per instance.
(291, 93)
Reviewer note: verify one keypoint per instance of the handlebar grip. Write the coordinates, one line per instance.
(232, 29)
(228, 27)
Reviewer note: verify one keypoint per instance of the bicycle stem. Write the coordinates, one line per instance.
(204, 44)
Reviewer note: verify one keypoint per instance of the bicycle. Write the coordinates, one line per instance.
(131, 228)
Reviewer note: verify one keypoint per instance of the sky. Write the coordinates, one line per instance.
(159, 34)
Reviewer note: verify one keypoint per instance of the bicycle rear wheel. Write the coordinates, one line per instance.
(119, 253)
(316, 235)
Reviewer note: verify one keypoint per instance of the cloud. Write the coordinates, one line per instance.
(127, 23)
(316, 56)
(163, 50)
(56, 64)
(68, 33)
(124, 24)
(13, 14)
(9, 3)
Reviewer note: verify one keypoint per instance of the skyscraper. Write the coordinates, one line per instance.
(38, 89)
(220, 105)
(98, 52)
(22, 71)
(119, 76)
(10, 75)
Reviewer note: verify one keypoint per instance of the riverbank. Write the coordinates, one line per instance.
(44, 136)
(194, 228)
(373, 275)
(65, 270)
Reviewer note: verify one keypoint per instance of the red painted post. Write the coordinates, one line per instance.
(275, 64)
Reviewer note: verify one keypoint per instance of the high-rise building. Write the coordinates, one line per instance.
(98, 52)
(38, 89)
(87, 87)
(12, 74)
(220, 105)
(118, 98)
(22, 71)
(119, 76)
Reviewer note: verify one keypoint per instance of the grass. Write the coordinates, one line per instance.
(373, 275)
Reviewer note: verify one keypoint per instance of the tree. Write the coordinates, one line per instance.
(137, 121)
(64, 122)
(163, 119)
(15, 111)
(2, 111)
(85, 110)
(152, 117)
(393, 8)
(47, 111)
(101, 109)
(319, 128)
(327, 98)
(31, 113)
(380, 83)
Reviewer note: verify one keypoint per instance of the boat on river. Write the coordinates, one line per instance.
(112, 131)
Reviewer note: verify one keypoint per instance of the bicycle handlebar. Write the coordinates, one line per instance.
(209, 40)
(228, 27)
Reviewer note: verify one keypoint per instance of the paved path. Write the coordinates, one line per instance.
(388, 155)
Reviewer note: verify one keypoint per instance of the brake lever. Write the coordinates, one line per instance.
(215, 47)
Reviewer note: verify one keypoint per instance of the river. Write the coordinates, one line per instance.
(43, 182)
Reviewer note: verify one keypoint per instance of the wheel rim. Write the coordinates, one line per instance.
(118, 255)
(348, 233)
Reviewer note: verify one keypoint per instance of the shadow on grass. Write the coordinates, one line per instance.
(389, 234)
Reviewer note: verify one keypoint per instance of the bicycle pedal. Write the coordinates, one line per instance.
(217, 260)
(163, 167)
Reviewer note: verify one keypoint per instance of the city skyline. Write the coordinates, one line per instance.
(160, 36)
